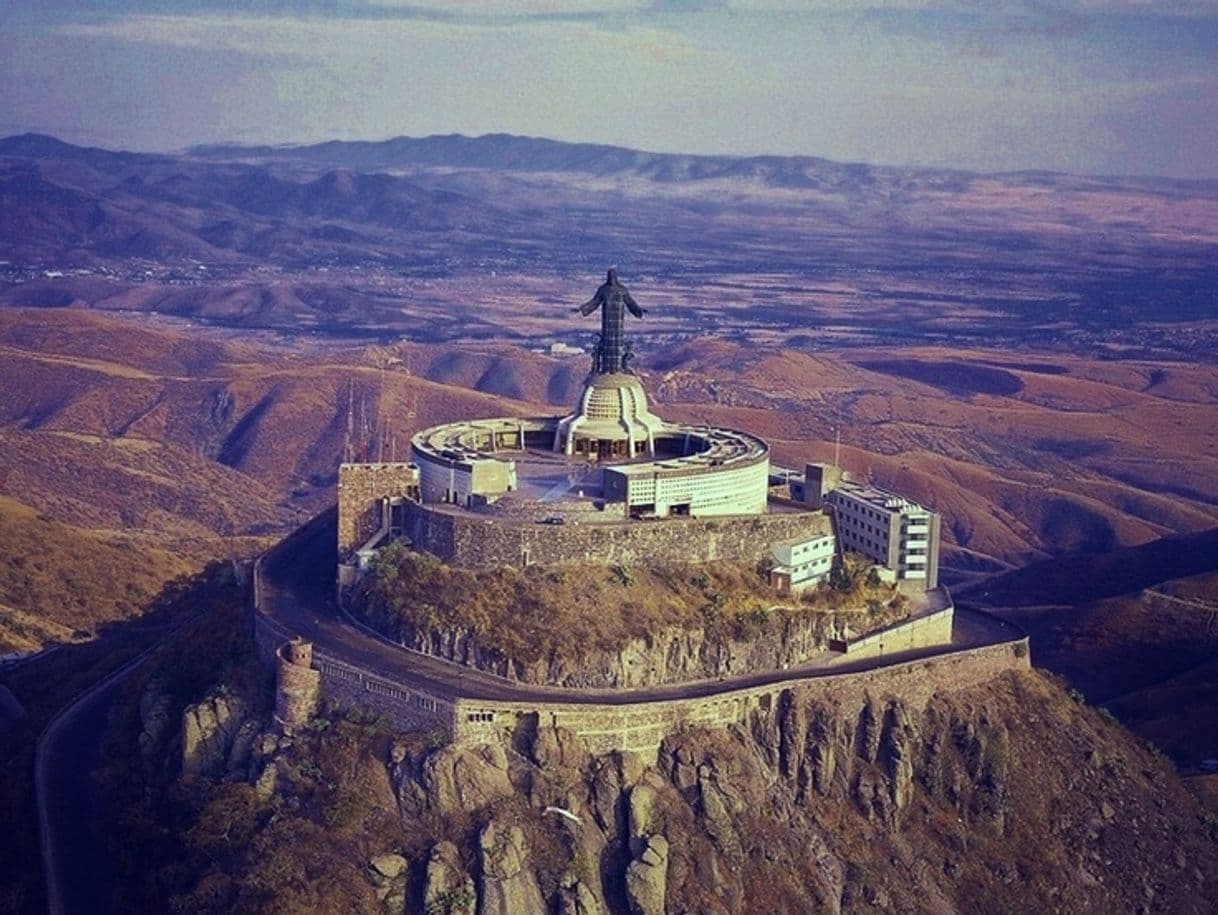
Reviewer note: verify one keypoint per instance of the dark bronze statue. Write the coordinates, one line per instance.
(612, 353)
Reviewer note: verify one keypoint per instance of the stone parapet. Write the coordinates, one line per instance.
(934, 628)
(340, 685)
(464, 538)
(361, 487)
(641, 726)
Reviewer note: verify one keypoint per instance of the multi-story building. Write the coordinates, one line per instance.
(900, 536)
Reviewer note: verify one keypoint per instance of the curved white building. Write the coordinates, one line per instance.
(612, 453)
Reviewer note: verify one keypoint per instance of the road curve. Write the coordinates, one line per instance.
(74, 869)
(295, 597)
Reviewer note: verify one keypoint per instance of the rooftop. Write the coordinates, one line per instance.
(881, 499)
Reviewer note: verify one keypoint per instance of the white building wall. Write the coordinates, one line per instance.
(438, 481)
(805, 561)
(454, 481)
(727, 491)
(897, 537)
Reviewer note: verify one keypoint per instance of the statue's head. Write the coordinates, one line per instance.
(612, 274)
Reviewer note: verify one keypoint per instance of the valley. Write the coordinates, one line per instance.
(450, 238)
(190, 343)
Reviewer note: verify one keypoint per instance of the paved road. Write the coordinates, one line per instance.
(77, 867)
(75, 860)
(297, 598)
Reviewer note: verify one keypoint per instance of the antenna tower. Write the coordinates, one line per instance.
(349, 439)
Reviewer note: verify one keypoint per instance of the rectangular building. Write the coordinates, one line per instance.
(689, 486)
(801, 563)
(895, 533)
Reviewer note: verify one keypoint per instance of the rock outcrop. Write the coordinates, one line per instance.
(577, 898)
(641, 834)
(827, 800)
(647, 878)
(509, 885)
(451, 780)
(672, 655)
(389, 874)
(209, 730)
(448, 889)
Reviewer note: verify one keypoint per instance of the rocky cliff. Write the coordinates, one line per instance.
(1004, 797)
(603, 626)
(672, 655)
(1011, 798)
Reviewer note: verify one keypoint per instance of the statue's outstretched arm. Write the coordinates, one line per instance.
(635, 309)
(590, 306)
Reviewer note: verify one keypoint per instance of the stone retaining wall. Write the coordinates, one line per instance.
(345, 686)
(466, 539)
(360, 490)
(642, 726)
(920, 632)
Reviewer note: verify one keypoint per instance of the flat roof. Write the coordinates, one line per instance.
(725, 447)
(796, 541)
(879, 498)
(457, 444)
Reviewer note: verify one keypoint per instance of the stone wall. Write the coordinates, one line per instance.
(340, 685)
(641, 726)
(464, 538)
(360, 490)
(348, 687)
(921, 631)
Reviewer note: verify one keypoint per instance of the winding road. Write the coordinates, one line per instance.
(296, 597)
(294, 594)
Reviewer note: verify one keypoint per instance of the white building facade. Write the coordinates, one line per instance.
(802, 563)
(899, 535)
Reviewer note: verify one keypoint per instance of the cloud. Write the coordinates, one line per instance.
(307, 36)
(987, 9)
(1040, 83)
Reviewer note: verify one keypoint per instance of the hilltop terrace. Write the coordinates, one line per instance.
(474, 464)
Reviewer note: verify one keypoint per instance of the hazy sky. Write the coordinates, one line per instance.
(1097, 86)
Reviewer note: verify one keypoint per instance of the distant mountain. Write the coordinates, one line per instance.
(68, 204)
(41, 146)
(507, 152)
(409, 236)
(530, 154)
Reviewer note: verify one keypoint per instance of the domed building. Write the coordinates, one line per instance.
(611, 420)
(611, 481)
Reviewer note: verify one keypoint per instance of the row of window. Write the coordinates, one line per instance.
(815, 546)
(859, 525)
(873, 548)
(823, 563)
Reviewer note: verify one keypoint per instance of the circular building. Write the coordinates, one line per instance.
(596, 484)
(611, 452)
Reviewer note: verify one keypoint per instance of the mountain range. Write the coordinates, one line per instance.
(189, 343)
(441, 236)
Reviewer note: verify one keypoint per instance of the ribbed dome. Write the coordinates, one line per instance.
(614, 398)
(612, 408)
